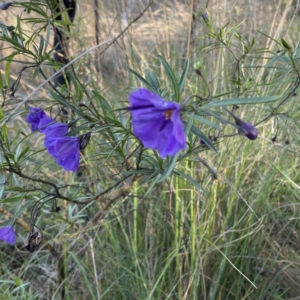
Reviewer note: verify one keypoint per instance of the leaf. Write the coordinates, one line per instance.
(3, 129)
(41, 47)
(296, 51)
(183, 76)
(207, 122)
(2, 184)
(15, 189)
(36, 71)
(189, 124)
(286, 45)
(154, 82)
(77, 86)
(171, 76)
(61, 100)
(11, 199)
(241, 101)
(169, 169)
(203, 137)
(77, 130)
(47, 38)
(189, 179)
(1, 82)
(7, 71)
(106, 108)
(140, 77)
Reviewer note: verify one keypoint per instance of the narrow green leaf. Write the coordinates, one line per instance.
(154, 173)
(189, 124)
(207, 122)
(106, 108)
(183, 76)
(20, 32)
(156, 180)
(23, 152)
(41, 47)
(36, 50)
(296, 51)
(3, 29)
(11, 199)
(203, 137)
(47, 38)
(7, 72)
(171, 76)
(2, 184)
(3, 129)
(1, 82)
(68, 104)
(169, 169)
(77, 86)
(141, 78)
(154, 82)
(241, 101)
(15, 189)
(36, 72)
(189, 179)
(286, 45)
(76, 130)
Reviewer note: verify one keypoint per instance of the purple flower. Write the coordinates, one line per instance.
(245, 128)
(7, 234)
(205, 16)
(34, 117)
(54, 129)
(156, 122)
(38, 119)
(6, 5)
(248, 130)
(65, 150)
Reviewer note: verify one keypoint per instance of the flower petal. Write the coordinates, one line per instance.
(143, 97)
(148, 131)
(65, 150)
(250, 131)
(55, 129)
(7, 234)
(178, 128)
(156, 122)
(34, 117)
(70, 163)
(50, 146)
(5, 6)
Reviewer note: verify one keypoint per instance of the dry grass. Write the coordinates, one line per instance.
(164, 29)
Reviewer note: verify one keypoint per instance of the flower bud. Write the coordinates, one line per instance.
(84, 140)
(247, 129)
(244, 128)
(71, 123)
(5, 6)
(205, 17)
(197, 66)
